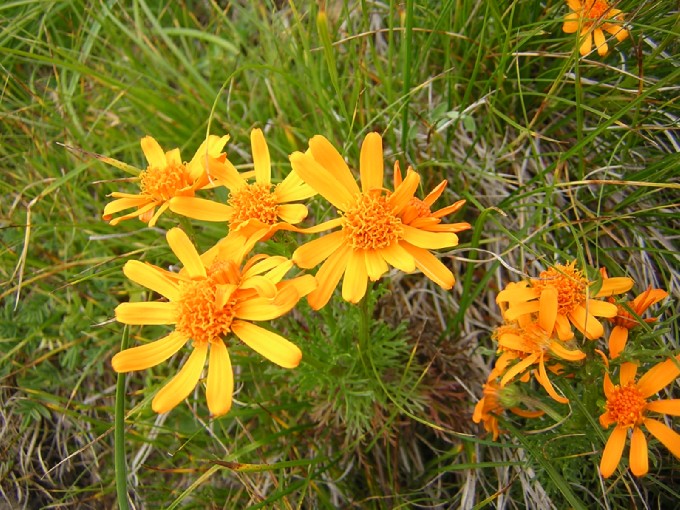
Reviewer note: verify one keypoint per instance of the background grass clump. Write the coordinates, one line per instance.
(558, 157)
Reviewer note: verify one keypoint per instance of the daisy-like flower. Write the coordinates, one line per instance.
(166, 178)
(628, 406)
(576, 304)
(588, 19)
(212, 297)
(495, 401)
(418, 213)
(260, 201)
(372, 234)
(530, 342)
(624, 320)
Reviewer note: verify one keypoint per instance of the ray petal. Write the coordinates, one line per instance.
(270, 345)
(149, 276)
(183, 383)
(261, 159)
(371, 164)
(329, 158)
(611, 456)
(659, 376)
(321, 180)
(153, 152)
(314, 252)
(201, 209)
(148, 355)
(220, 383)
(668, 437)
(356, 279)
(185, 251)
(151, 313)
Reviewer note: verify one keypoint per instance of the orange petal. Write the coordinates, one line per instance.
(563, 328)
(292, 213)
(150, 277)
(153, 152)
(201, 209)
(562, 352)
(328, 276)
(571, 25)
(431, 266)
(601, 308)
(331, 160)
(518, 368)
(220, 384)
(670, 406)
(376, 266)
(371, 165)
(617, 341)
(314, 252)
(146, 313)
(261, 160)
(404, 192)
(321, 180)
(627, 373)
(356, 279)
(396, 256)
(608, 385)
(639, 460)
(293, 188)
(543, 378)
(668, 437)
(547, 311)
(148, 355)
(612, 286)
(183, 383)
(270, 345)
(586, 323)
(429, 240)
(120, 204)
(600, 42)
(587, 43)
(659, 376)
(611, 456)
(185, 251)
(516, 311)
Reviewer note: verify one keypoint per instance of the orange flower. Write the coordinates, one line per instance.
(628, 406)
(212, 297)
(418, 213)
(166, 179)
(260, 201)
(372, 235)
(493, 404)
(588, 19)
(575, 303)
(530, 342)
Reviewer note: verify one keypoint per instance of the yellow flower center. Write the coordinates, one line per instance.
(370, 222)
(205, 306)
(626, 405)
(570, 283)
(595, 9)
(164, 183)
(254, 201)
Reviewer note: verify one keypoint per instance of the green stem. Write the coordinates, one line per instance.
(365, 317)
(119, 435)
(406, 71)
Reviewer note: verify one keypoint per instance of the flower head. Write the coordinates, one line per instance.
(588, 19)
(628, 406)
(372, 234)
(214, 296)
(261, 201)
(573, 298)
(166, 178)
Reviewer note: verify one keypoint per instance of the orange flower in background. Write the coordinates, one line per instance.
(418, 213)
(260, 201)
(212, 297)
(575, 303)
(495, 401)
(372, 235)
(164, 180)
(589, 20)
(627, 408)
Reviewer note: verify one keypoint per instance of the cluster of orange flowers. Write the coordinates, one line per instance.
(538, 338)
(224, 290)
(590, 19)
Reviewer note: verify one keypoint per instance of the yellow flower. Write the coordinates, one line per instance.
(493, 404)
(260, 201)
(372, 235)
(418, 213)
(530, 342)
(588, 19)
(575, 303)
(166, 179)
(210, 298)
(628, 406)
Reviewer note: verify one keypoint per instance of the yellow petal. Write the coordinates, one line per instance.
(270, 345)
(148, 355)
(328, 276)
(659, 376)
(404, 192)
(183, 383)
(547, 309)
(262, 285)
(587, 43)
(574, 5)
(220, 385)
(617, 341)
(611, 456)
(586, 323)
(429, 240)
(153, 152)
(612, 286)
(293, 188)
(150, 277)
(601, 308)
(185, 251)
(321, 180)
(518, 368)
(516, 293)
(431, 266)
(563, 328)
(226, 174)
(266, 309)
(396, 256)
(172, 157)
(570, 26)
(201, 209)
(152, 221)
(314, 252)
(115, 206)
(542, 378)
(209, 149)
(376, 266)
(639, 461)
(330, 159)
(516, 311)
(562, 352)
(292, 213)
(371, 163)
(670, 406)
(668, 437)
(281, 265)
(356, 279)
(600, 42)
(261, 160)
(146, 313)
(627, 373)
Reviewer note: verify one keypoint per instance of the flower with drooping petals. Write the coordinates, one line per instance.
(575, 303)
(260, 201)
(418, 213)
(372, 235)
(589, 20)
(213, 297)
(628, 407)
(166, 178)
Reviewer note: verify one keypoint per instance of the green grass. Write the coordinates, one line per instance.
(559, 158)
